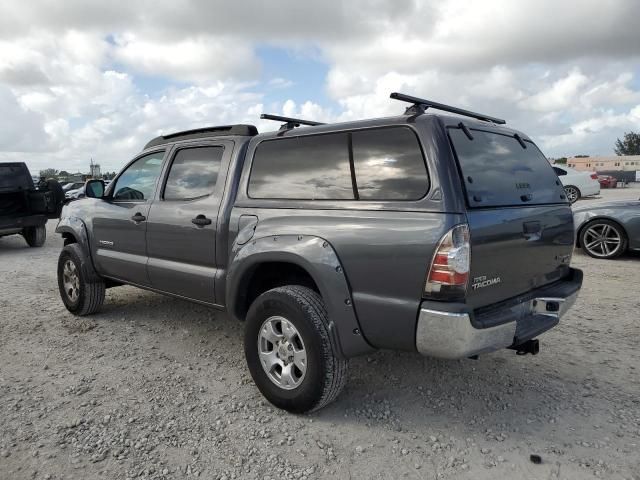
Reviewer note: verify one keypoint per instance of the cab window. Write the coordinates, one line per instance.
(138, 181)
(194, 173)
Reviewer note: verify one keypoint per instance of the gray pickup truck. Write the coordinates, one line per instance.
(447, 235)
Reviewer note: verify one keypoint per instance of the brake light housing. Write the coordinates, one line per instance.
(594, 176)
(448, 275)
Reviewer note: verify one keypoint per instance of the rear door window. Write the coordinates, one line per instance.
(314, 167)
(498, 171)
(389, 165)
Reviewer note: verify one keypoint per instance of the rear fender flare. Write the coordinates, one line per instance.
(319, 259)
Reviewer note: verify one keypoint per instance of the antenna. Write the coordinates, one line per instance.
(289, 122)
(420, 105)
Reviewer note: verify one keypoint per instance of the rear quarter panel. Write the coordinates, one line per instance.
(385, 256)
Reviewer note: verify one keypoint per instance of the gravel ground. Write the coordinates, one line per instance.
(154, 387)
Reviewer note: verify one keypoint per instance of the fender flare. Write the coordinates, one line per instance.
(318, 258)
(78, 230)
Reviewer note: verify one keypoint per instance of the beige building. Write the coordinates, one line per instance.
(628, 163)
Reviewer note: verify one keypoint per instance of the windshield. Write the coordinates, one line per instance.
(502, 170)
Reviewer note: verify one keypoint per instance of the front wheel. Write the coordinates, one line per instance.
(81, 290)
(289, 352)
(603, 239)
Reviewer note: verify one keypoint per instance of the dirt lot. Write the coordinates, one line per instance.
(154, 387)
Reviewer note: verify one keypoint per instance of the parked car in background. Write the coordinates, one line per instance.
(444, 235)
(608, 229)
(72, 186)
(607, 181)
(75, 194)
(577, 184)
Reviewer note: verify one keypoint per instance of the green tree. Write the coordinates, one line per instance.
(630, 145)
(560, 161)
(49, 173)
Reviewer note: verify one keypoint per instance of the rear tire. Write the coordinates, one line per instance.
(299, 371)
(35, 236)
(81, 288)
(573, 193)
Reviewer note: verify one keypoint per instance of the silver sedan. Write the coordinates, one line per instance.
(608, 229)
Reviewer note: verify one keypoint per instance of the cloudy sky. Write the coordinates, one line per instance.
(82, 79)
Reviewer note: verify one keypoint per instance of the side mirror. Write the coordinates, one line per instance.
(94, 189)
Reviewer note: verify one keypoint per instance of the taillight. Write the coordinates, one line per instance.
(449, 269)
(594, 176)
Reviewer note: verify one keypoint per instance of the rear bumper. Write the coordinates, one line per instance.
(591, 188)
(455, 334)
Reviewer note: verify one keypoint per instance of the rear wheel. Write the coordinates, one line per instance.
(289, 352)
(573, 194)
(81, 289)
(35, 236)
(603, 239)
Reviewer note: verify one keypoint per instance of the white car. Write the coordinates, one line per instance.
(74, 194)
(577, 184)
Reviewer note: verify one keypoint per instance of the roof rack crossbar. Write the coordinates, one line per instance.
(420, 105)
(289, 122)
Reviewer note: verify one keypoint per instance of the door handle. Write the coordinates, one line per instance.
(138, 217)
(201, 221)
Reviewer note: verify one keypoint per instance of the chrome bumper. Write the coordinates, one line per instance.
(451, 335)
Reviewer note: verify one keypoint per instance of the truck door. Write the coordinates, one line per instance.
(120, 221)
(183, 221)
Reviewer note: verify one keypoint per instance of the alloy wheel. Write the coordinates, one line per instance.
(282, 352)
(602, 240)
(71, 281)
(572, 194)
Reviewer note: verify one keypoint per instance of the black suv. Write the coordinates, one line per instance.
(449, 235)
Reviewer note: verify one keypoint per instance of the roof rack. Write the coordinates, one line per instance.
(420, 105)
(246, 130)
(289, 122)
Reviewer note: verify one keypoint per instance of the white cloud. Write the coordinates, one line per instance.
(559, 95)
(201, 59)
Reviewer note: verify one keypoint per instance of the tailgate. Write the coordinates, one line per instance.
(514, 250)
(520, 223)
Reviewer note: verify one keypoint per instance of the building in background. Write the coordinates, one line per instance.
(624, 167)
(94, 170)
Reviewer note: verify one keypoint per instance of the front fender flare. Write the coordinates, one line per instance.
(320, 260)
(75, 227)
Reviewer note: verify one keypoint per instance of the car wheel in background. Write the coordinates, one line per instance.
(573, 194)
(81, 289)
(289, 352)
(35, 236)
(603, 239)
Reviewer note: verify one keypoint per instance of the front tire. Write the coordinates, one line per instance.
(603, 239)
(289, 351)
(35, 236)
(572, 193)
(81, 289)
